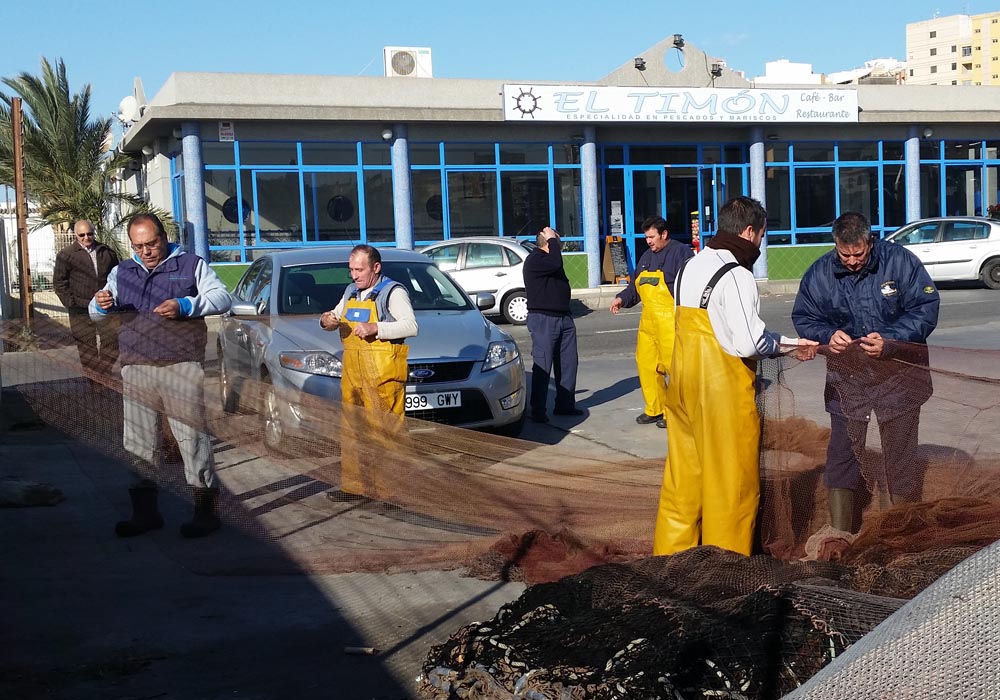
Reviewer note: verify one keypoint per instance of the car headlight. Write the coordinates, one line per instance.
(316, 362)
(500, 353)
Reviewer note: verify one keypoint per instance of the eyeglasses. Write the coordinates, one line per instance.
(140, 247)
(88, 234)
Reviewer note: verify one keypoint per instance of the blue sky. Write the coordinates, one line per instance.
(107, 44)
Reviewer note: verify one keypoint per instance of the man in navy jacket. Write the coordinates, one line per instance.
(874, 305)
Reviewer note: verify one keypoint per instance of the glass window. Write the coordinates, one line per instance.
(894, 195)
(963, 150)
(512, 257)
(813, 152)
(777, 190)
(614, 155)
(425, 154)
(217, 153)
(312, 288)
(930, 150)
(428, 207)
(469, 154)
(223, 209)
(663, 155)
(815, 198)
(524, 154)
(566, 154)
(955, 231)
(930, 190)
(858, 151)
(332, 207)
(962, 190)
(376, 154)
(711, 155)
(525, 202)
(279, 218)
(268, 153)
(734, 154)
(329, 154)
(893, 150)
(260, 295)
(472, 203)
(569, 221)
(380, 217)
(859, 192)
(776, 152)
(245, 285)
(923, 233)
(483, 255)
(446, 256)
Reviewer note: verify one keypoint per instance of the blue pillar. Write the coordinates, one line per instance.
(196, 226)
(402, 198)
(591, 213)
(912, 154)
(758, 191)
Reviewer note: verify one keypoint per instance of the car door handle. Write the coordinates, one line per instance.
(501, 274)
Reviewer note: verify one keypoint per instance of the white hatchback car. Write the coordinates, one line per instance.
(489, 264)
(955, 247)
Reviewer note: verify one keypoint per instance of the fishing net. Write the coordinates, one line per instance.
(603, 619)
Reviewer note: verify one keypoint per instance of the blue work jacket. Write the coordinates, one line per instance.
(892, 295)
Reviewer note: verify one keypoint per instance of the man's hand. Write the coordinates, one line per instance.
(365, 330)
(168, 309)
(328, 321)
(873, 344)
(616, 305)
(549, 233)
(806, 350)
(839, 342)
(104, 299)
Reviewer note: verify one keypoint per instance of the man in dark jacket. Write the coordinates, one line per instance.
(553, 333)
(874, 305)
(81, 269)
(162, 295)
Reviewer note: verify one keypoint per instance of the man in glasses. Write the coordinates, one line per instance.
(873, 305)
(81, 269)
(162, 295)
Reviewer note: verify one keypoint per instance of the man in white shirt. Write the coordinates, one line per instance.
(374, 318)
(711, 483)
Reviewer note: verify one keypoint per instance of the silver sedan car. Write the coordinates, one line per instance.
(463, 370)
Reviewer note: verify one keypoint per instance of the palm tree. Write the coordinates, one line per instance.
(67, 156)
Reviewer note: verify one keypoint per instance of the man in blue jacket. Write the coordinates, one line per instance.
(874, 305)
(162, 295)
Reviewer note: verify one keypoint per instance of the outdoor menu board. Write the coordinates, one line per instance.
(615, 260)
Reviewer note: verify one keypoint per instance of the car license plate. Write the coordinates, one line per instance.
(430, 401)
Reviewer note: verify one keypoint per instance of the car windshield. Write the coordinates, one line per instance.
(317, 287)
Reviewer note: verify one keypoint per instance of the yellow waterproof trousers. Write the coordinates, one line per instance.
(374, 380)
(655, 344)
(711, 483)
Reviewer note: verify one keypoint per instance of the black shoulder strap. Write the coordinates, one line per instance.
(677, 279)
(719, 274)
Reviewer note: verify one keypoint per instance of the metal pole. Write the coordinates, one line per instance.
(21, 203)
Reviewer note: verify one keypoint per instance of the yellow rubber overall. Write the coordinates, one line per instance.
(710, 481)
(655, 343)
(374, 379)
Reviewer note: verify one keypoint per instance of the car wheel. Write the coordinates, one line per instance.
(991, 273)
(230, 397)
(270, 414)
(515, 307)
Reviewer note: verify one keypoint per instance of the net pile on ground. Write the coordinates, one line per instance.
(442, 497)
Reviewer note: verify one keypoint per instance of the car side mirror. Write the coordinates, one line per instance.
(244, 308)
(485, 300)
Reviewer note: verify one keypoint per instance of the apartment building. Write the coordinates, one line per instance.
(954, 50)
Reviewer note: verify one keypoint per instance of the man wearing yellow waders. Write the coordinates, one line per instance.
(710, 481)
(374, 317)
(654, 287)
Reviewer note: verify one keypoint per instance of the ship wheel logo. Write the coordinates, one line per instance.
(526, 103)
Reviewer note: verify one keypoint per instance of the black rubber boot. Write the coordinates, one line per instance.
(205, 521)
(842, 509)
(145, 513)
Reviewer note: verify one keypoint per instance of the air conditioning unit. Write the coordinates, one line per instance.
(407, 62)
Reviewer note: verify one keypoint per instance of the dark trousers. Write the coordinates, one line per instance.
(900, 473)
(97, 358)
(553, 351)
